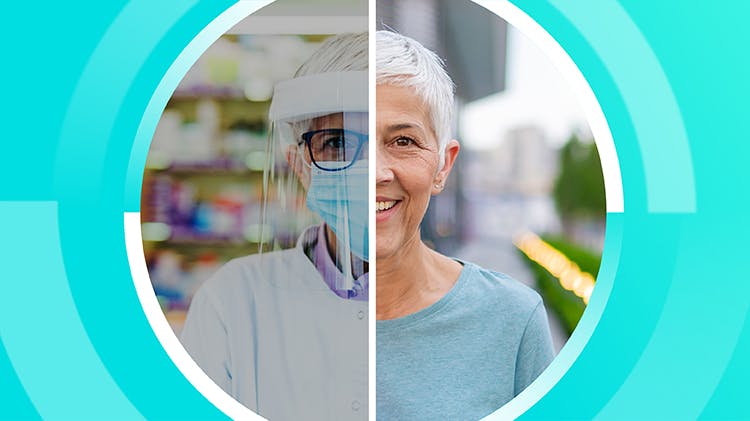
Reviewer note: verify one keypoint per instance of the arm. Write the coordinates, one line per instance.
(204, 336)
(219, 333)
(535, 350)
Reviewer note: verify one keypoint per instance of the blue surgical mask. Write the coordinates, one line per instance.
(338, 195)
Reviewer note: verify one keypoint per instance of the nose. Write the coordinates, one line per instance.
(383, 166)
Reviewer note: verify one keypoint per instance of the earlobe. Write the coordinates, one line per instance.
(437, 187)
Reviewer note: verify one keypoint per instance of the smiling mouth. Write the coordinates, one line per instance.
(382, 206)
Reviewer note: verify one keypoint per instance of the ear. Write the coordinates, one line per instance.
(451, 153)
(296, 162)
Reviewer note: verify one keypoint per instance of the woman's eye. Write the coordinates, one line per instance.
(334, 143)
(404, 141)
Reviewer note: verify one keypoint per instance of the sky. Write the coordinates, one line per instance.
(536, 93)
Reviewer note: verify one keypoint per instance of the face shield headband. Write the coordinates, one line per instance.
(316, 95)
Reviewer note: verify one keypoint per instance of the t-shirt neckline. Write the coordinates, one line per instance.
(386, 326)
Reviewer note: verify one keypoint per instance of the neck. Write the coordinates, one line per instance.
(412, 280)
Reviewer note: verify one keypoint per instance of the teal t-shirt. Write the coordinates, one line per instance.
(464, 356)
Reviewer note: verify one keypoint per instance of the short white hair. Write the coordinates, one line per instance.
(404, 62)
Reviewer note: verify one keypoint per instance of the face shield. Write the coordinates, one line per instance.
(319, 135)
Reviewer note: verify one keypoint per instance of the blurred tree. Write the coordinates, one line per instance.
(579, 188)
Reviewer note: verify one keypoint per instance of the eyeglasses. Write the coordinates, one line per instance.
(334, 149)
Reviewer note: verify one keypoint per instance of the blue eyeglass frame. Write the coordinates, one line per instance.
(361, 139)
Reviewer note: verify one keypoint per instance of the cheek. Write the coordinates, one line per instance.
(424, 171)
(417, 181)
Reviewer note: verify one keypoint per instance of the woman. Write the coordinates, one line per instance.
(454, 341)
(285, 332)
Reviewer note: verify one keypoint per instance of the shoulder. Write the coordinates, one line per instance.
(500, 291)
(517, 308)
(244, 276)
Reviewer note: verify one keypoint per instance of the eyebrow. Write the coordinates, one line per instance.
(402, 126)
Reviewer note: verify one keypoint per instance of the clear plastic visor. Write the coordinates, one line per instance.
(316, 182)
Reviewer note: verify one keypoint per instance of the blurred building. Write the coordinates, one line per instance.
(533, 162)
(509, 187)
(470, 39)
(523, 163)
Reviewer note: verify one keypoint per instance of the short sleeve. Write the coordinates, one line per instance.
(204, 336)
(535, 350)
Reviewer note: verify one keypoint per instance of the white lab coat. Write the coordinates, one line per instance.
(269, 331)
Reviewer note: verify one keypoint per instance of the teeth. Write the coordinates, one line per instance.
(381, 206)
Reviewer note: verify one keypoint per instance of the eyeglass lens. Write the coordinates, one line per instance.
(333, 145)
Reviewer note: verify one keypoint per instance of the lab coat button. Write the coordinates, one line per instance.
(355, 405)
(361, 315)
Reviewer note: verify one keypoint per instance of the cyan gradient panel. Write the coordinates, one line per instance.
(45, 48)
(13, 391)
(51, 348)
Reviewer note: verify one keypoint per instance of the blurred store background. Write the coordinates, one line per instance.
(202, 186)
(527, 194)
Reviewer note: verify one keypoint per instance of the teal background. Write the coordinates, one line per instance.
(79, 87)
